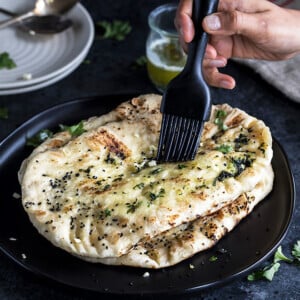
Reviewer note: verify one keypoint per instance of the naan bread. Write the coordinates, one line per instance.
(183, 241)
(98, 195)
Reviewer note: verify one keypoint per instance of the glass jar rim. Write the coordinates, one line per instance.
(152, 19)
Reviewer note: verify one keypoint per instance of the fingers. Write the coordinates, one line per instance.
(183, 20)
(236, 23)
(214, 78)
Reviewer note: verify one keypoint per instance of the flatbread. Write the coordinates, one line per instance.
(98, 195)
(184, 241)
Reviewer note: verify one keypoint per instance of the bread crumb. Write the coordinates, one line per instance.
(16, 195)
(146, 274)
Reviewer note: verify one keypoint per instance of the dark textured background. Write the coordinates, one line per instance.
(111, 71)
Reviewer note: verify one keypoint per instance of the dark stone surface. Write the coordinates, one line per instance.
(110, 71)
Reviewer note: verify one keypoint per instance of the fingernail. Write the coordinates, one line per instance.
(213, 22)
(226, 84)
(217, 63)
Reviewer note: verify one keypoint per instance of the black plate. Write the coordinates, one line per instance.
(249, 244)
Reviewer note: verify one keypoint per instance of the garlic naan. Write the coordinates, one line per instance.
(99, 194)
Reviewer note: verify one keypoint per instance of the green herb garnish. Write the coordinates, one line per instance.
(268, 273)
(213, 258)
(155, 171)
(3, 113)
(181, 166)
(240, 141)
(116, 29)
(39, 138)
(225, 148)
(279, 256)
(132, 207)
(74, 130)
(219, 120)
(296, 251)
(139, 186)
(139, 62)
(6, 62)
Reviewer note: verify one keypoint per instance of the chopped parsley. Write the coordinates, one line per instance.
(213, 258)
(6, 62)
(132, 207)
(74, 130)
(3, 113)
(115, 29)
(181, 166)
(240, 141)
(239, 163)
(219, 120)
(155, 171)
(139, 186)
(225, 148)
(39, 138)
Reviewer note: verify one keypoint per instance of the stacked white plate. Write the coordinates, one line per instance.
(47, 58)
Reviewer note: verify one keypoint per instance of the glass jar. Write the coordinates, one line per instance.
(165, 56)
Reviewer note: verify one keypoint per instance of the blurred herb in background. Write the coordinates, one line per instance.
(6, 61)
(115, 29)
(3, 113)
(140, 62)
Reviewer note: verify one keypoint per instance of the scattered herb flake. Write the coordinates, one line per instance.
(3, 113)
(181, 166)
(225, 148)
(139, 186)
(39, 138)
(139, 62)
(155, 171)
(116, 29)
(74, 130)
(219, 120)
(240, 141)
(213, 258)
(132, 207)
(107, 212)
(6, 62)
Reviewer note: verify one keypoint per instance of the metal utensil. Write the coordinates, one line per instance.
(50, 24)
(186, 102)
(42, 8)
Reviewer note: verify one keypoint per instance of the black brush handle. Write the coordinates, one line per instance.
(197, 47)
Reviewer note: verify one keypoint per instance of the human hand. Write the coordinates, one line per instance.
(244, 29)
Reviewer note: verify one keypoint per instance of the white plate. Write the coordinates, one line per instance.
(45, 83)
(46, 57)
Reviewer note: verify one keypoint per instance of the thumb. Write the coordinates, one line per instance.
(234, 22)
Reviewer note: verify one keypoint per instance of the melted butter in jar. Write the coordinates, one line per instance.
(165, 60)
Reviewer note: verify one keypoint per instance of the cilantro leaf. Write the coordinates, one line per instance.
(278, 256)
(267, 272)
(6, 62)
(116, 29)
(296, 251)
(39, 138)
(3, 113)
(74, 130)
